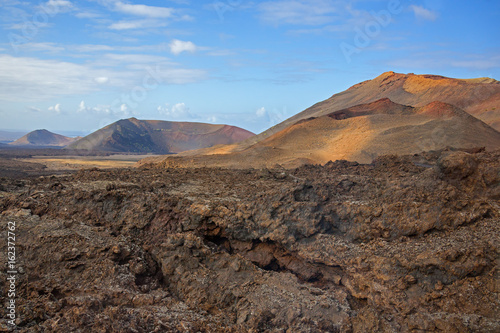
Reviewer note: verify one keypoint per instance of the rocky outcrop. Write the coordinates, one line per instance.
(405, 244)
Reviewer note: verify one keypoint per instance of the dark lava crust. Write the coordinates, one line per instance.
(406, 244)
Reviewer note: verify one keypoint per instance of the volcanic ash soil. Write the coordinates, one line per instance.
(405, 244)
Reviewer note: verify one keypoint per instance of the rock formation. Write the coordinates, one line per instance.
(405, 244)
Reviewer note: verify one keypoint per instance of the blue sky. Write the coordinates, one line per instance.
(77, 66)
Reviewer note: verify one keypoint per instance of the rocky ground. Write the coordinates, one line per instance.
(405, 244)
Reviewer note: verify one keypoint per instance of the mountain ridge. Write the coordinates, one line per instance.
(359, 133)
(158, 136)
(480, 96)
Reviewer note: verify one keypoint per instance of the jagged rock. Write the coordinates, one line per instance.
(457, 165)
(405, 244)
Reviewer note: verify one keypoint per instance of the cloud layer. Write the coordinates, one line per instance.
(32, 79)
(423, 14)
(178, 111)
(144, 10)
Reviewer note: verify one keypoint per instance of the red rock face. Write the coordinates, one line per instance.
(404, 244)
(441, 110)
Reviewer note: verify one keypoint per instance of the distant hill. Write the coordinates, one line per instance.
(359, 133)
(161, 137)
(43, 138)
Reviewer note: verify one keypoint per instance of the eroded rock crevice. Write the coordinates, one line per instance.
(391, 246)
(271, 256)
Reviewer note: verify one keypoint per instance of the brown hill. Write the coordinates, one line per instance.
(43, 138)
(379, 128)
(161, 137)
(435, 96)
(479, 97)
(359, 133)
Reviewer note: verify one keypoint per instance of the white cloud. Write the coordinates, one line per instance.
(316, 16)
(23, 78)
(261, 112)
(424, 14)
(32, 79)
(81, 107)
(93, 48)
(87, 15)
(42, 47)
(178, 111)
(149, 16)
(53, 7)
(137, 24)
(88, 48)
(101, 79)
(303, 12)
(59, 3)
(144, 10)
(211, 119)
(164, 69)
(181, 2)
(186, 18)
(179, 46)
(24, 26)
(11, 2)
(29, 22)
(56, 108)
(122, 111)
(142, 59)
(99, 110)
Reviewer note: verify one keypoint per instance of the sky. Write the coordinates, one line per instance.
(75, 66)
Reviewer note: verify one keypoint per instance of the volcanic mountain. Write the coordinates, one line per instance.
(161, 137)
(43, 137)
(359, 133)
(479, 97)
(393, 113)
(363, 132)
